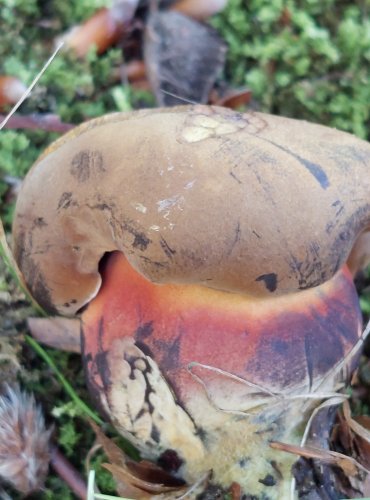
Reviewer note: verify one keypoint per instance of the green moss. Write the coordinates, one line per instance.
(307, 60)
(103, 478)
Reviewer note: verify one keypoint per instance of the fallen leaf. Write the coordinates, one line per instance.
(139, 480)
(231, 98)
(348, 464)
(182, 68)
(60, 333)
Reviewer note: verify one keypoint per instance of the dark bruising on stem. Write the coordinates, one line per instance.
(323, 337)
(91, 366)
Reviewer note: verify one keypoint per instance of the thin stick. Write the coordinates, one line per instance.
(48, 122)
(183, 99)
(30, 88)
(68, 473)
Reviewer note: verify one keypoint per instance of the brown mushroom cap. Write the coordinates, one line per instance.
(247, 203)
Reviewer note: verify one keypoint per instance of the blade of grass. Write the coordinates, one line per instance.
(91, 495)
(29, 89)
(65, 384)
(5, 251)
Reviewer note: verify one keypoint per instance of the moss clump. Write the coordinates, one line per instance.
(308, 60)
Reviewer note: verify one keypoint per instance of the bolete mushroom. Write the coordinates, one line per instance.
(207, 250)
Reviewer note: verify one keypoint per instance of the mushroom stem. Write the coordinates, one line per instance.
(246, 371)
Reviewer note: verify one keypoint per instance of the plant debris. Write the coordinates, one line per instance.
(58, 332)
(143, 480)
(182, 68)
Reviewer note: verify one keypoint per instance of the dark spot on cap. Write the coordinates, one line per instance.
(141, 241)
(270, 281)
(65, 200)
(314, 169)
(317, 171)
(42, 295)
(170, 252)
(39, 222)
(85, 163)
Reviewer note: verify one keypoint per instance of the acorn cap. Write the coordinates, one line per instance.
(247, 203)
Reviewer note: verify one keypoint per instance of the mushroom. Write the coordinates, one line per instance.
(207, 251)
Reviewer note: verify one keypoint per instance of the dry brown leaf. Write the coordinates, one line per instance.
(172, 81)
(113, 452)
(364, 421)
(103, 29)
(235, 491)
(138, 480)
(356, 427)
(60, 333)
(231, 98)
(152, 473)
(124, 488)
(349, 465)
(122, 473)
(199, 9)
(343, 434)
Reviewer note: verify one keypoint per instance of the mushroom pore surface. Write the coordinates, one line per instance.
(245, 203)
